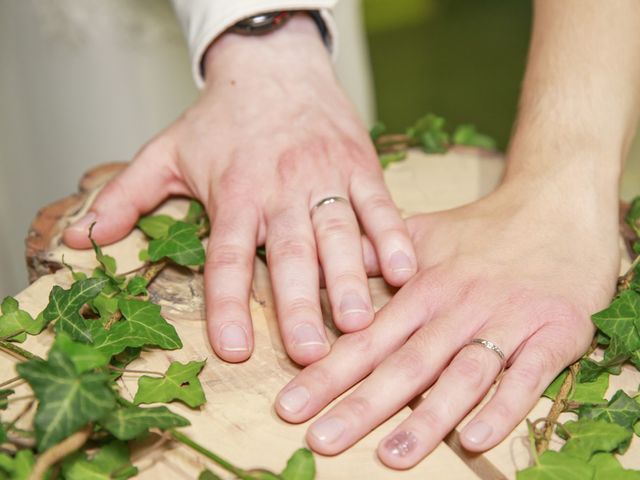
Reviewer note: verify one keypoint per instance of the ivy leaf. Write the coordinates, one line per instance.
(377, 130)
(142, 325)
(621, 409)
(18, 467)
(621, 320)
(127, 423)
(156, 226)
(591, 392)
(123, 359)
(4, 398)
(556, 466)
(208, 475)
(179, 383)
(107, 262)
(196, 213)
(635, 359)
(14, 321)
(68, 400)
(587, 436)
(301, 466)
(3, 438)
(633, 216)
(64, 307)
(105, 305)
(181, 245)
(387, 159)
(607, 467)
(614, 356)
(137, 286)
(111, 462)
(429, 132)
(469, 135)
(83, 356)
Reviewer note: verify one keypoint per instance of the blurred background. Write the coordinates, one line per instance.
(84, 82)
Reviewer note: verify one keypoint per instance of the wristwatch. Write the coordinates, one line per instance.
(269, 21)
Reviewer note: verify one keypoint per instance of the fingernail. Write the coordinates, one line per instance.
(352, 303)
(328, 430)
(83, 223)
(400, 262)
(295, 399)
(477, 432)
(233, 338)
(306, 334)
(401, 444)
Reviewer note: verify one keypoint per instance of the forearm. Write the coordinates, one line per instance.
(581, 92)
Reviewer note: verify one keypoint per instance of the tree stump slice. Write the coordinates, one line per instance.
(238, 421)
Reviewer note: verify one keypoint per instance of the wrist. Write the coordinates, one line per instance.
(296, 46)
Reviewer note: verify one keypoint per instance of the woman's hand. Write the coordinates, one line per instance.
(271, 135)
(523, 268)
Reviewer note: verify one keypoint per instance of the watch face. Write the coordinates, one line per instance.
(261, 23)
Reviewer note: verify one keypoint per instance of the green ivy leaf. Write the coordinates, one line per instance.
(429, 132)
(3, 438)
(614, 356)
(590, 392)
(68, 400)
(84, 357)
(377, 130)
(143, 255)
(196, 213)
(64, 307)
(387, 159)
(607, 467)
(105, 305)
(556, 466)
(137, 286)
(121, 360)
(301, 466)
(107, 262)
(633, 215)
(18, 467)
(4, 396)
(179, 383)
(127, 423)
(588, 436)
(621, 409)
(181, 245)
(469, 135)
(111, 462)
(156, 226)
(622, 320)
(208, 475)
(14, 321)
(142, 325)
(635, 359)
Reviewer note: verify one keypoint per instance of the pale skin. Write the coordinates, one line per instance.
(271, 135)
(524, 267)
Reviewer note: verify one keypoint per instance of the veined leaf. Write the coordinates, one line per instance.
(196, 213)
(142, 325)
(127, 423)
(622, 320)
(301, 466)
(156, 226)
(111, 462)
(84, 357)
(621, 409)
(607, 467)
(68, 400)
(556, 466)
(179, 383)
(587, 436)
(633, 216)
(64, 307)
(14, 321)
(181, 245)
(588, 392)
(4, 396)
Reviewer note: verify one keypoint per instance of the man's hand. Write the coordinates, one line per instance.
(271, 135)
(518, 268)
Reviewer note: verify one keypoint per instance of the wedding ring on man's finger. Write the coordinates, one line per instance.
(329, 201)
(488, 344)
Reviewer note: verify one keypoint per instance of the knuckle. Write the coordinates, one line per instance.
(409, 362)
(471, 367)
(301, 307)
(379, 202)
(503, 411)
(227, 256)
(319, 377)
(427, 418)
(289, 249)
(357, 342)
(227, 303)
(335, 227)
(356, 405)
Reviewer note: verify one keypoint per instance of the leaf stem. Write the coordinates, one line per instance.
(185, 440)
(16, 379)
(56, 453)
(20, 398)
(532, 441)
(624, 282)
(129, 370)
(16, 351)
(559, 404)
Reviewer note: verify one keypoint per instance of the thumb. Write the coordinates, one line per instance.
(143, 185)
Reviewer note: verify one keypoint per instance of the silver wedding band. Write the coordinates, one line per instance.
(328, 201)
(493, 347)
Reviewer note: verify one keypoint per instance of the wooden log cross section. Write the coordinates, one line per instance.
(238, 421)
